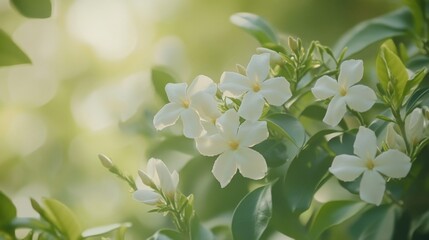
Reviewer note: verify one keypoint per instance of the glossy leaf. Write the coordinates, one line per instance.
(160, 77)
(252, 215)
(10, 53)
(375, 224)
(166, 234)
(63, 218)
(419, 226)
(333, 213)
(274, 152)
(255, 26)
(393, 24)
(415, 99)
(33, 8)
(287, 126)
(7, 212)
(102, 230)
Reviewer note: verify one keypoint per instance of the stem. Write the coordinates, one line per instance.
(401, 124)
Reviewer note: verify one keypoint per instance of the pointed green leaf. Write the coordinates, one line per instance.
(375, 224)
(102, 230)
(33, 8)
(333, 213)
(166, 234)
(160, 77)
(419, 225)
(415, 99)
(288, 126)
(393, 24)
(198, 231)
(255, 26)
(7, 213)
(252, 215)
(63, 218)
(10, 53)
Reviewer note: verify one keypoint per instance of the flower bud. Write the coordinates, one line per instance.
(105, 161)
(275, 57)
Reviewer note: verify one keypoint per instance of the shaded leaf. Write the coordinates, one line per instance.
(102, 230)
(10, 53)
(160, 77)
(7, 213)
(198, 231)
(377, 223)
(33, 8)
(288, 126)
(166, 234)
(274, 152)
(415, 99)
(393, 24)
(333, 213)
(255, 26)
(63, 218)
(252, 215)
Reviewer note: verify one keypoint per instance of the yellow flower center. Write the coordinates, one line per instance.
(343, 90)
(234, 145)
(185, 103)
(369, 164)
(256, 87)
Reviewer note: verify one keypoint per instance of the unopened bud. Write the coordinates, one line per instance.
(275, 57)
(293, 44)
(146, 179)
(107, 163)
(241, 69)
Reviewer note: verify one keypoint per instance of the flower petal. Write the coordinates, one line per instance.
(175, 179)
(325, 87)
(365, 145)
(192, 127)
(176, 92)
(234, 84)
(211, 145)
(252, 133)
(206, 106)
(360, 98)
(336, 110)
(393, 139)
(146, 179)
(250, 163)
(351, 72)
(225, 168)
(228, 124)
(393, 163)
(166, 181)
(147, 196)
(276, 90)
(251, 106)
(202, 83)
(258, 68)
(167, 115)
(414, 125)
(347, 167)
(372, 187)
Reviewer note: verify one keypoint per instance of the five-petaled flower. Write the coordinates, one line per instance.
(391, 163)
(255, 87)
(344, 92)
(233, 142)
(184, 103)
(158, 180)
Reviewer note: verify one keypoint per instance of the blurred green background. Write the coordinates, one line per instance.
(88, 91)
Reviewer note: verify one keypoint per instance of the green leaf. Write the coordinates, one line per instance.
(166, 234)
(287, 126)
(7, 213)
(102, 230)
(416, 8)
(10, 53)
(198, 231)
(416, 99)
(274, 152)
(33, 8)
(333, 213)
(252, 215)
(63, 218)
(160, 77)
(311, 164)
(255, 26)
(419, 225)
(375, 224)
(393, 24)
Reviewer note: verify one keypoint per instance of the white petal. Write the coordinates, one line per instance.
(414, 125)
(167, 185)
(336, 110)
(351, 72)
(360, 98)
(393, 139)
(276, 90)
(258, 67)
(325, 87)
(251, 106)
(146, 179)
(252, 133)
(176, 92)
(206, 106)
(250, 163)
(234, 84)
(224, 168)
(365, 145)
(192, 127)
(372, 187)
(167, 115)
(175, 179)
(228, 124)
(347, 167)
(147, 196)
(211, 145)
(202, 83)
(393, 163)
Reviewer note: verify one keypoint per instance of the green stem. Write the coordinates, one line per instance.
(401, 124)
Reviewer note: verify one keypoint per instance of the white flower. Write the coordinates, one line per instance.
(275, 57)
(233, 142)
(183, 104)
(344, 92)
(158, 179)
(391, 163)
(255, 87)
